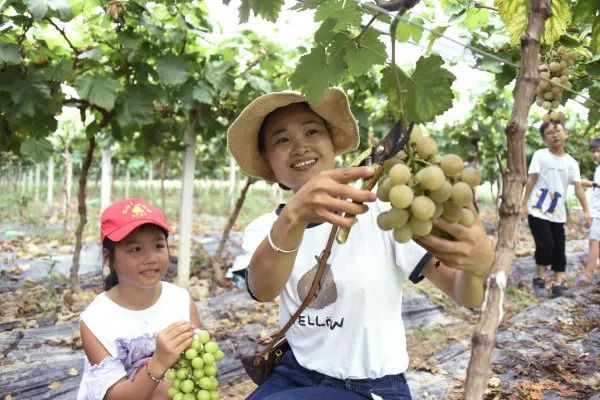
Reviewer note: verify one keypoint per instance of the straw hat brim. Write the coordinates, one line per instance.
(242, 135)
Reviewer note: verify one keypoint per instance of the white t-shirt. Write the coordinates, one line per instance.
(547, 199)
(108, 321)
(353, 328)
(595, 195)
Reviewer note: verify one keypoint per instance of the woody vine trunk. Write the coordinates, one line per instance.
(218, 258)
(513, 182)
(81, 207)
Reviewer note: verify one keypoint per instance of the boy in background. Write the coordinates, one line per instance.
(550, 172)
(594, 250)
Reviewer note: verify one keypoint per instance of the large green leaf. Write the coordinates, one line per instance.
(39, 150)
(595, 43)
(9, 53)
(315, 72)
(268, 9)
(556, 25)
(98, 90)
(514, 15)
(26, 92)
(172, 70)
(136, 106)
(347, 14)
(369, 51)
(39, 8)
(584, 11)
(217, 72)
(427, 92)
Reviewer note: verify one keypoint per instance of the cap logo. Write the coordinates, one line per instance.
(136, 210)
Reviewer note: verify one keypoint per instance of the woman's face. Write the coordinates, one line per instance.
(297, 145)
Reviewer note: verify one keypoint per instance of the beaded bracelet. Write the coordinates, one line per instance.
(152, 376)
(277, 249)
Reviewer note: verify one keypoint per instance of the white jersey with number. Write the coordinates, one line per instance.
(555, 173)
(353, 327)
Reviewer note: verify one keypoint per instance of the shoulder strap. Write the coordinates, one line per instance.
(313, 289)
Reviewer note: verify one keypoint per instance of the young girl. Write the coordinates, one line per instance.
(350, 341)
(135, 330)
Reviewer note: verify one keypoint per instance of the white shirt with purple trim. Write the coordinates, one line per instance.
(353, 328)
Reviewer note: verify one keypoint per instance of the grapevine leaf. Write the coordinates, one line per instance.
(172, 71)
(325, 32)
(427, 92)
(220, 79)
(476, 18)
(594, 109)
(556, 24)
(37, 8)
(315, 72)
(435, 35)
(39, 150)
(595, 43)
(9, 53)
(261, 84)
(405, 31)
(268, 9)
(514, 15)
(135, 106)
(367, 52)
(203, 94)
(98, 90)
(584, 11)
(27, 93)
(346, 13)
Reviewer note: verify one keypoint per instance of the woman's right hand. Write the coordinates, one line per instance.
(170, 343)
(324, 198)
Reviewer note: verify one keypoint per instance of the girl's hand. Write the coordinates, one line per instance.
(170, 342)
(325, 197)
(471, 250)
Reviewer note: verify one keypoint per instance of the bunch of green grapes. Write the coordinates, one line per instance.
(554, 71)
(193, 376)
(422, 185)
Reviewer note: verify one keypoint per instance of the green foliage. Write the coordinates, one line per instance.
(38, 150)
(426, 93)
(98, 90)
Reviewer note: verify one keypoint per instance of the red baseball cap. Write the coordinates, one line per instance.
(120, 219)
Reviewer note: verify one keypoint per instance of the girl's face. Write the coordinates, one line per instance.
(297, 145)
(142, 257)
(596, 154)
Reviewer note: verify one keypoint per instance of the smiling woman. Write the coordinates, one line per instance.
(119, 328)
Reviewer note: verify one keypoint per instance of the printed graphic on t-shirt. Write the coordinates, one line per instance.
(544, 194)
(326, 293)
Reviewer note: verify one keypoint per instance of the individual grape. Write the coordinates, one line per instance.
(442, 194)
(431, 177)
(426, 147)
(403, 234)
(546, 105)
(467, 218)
(385, 221)
(401, 196)
(555, 116)
(192, 376)
(399, 217)
(383, 189)
(554, 66)
(451, 164)
(390, 162)
(399, 174)
(471, 176)
(420, 228)
(422, 208)
(452, 212)
(546, 118)
(439, 209)
(416, 134)
(462, 194)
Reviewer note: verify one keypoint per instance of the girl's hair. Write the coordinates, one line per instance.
(112, 279)
(594, 143)
(261, 132)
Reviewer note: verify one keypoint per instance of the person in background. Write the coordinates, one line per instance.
(594, 247)
(551, 170)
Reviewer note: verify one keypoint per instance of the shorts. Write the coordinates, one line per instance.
(595, 229)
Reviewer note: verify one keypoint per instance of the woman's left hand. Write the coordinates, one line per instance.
(470, 251)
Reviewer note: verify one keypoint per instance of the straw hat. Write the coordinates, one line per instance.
(242, 135)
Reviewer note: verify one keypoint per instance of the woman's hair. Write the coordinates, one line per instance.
(261, 132)
(110, 246)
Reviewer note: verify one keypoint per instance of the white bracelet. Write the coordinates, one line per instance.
(277, 249)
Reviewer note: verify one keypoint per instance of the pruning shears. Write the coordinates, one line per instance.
(394, 141)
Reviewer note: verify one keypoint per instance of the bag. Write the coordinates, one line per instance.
(260, 365)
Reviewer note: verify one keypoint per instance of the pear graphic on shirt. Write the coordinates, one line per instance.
(326, 293)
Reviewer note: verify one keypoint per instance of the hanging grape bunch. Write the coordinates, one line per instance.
(422, 185)
(193, 375)
(554, 70)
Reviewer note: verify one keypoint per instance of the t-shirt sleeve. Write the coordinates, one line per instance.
(534, 165)
(256, 231)
(575, 175)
